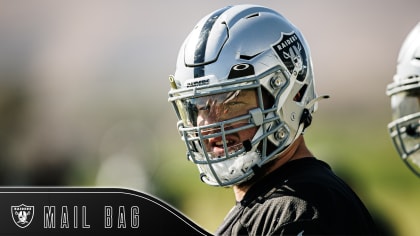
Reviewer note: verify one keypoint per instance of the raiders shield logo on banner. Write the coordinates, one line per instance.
(22, 215)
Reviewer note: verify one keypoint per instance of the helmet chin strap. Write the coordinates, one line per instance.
(223, 173)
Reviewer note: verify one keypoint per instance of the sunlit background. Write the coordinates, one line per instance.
(83, 99)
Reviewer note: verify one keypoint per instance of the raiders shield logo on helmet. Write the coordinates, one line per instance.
(291, 51)
(22, 215)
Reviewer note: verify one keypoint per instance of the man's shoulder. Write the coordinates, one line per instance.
(306, 171)
(305, 184)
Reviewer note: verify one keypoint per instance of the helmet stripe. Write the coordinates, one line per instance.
(200, 51)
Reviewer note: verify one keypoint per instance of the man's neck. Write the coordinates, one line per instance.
(295, 151)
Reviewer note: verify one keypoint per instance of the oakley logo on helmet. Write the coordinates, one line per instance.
(292, 53)
(241, 70)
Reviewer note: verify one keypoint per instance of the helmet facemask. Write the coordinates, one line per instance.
(405, 127)
(226, 127)
(404, 92)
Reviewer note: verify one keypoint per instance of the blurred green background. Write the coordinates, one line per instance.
(83, 99)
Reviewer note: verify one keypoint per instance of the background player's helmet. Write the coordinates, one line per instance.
(236, 48)
(405, 102)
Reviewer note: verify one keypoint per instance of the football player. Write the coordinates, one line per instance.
(244, 93)
(405, 102)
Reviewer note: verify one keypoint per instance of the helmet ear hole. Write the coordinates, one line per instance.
(298, 97)
(268, 99)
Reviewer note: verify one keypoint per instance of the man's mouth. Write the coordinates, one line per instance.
(220, 143)
(216, 146)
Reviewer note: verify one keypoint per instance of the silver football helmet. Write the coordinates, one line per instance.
(243, 91)
(405, 102)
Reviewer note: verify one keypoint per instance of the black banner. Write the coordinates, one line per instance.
(89, 211)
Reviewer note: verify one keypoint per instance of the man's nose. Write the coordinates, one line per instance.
(216, 113)
(211, 117)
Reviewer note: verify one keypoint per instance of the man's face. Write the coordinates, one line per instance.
(222, 107)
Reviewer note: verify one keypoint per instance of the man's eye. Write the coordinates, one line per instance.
(231, 104)
(204, 108)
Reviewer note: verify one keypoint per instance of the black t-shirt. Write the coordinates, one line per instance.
(302, 197)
